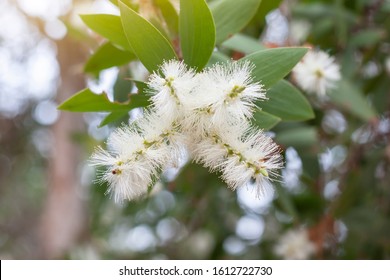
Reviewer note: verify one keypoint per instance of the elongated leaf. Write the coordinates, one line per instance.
(197, 32)
(112, 117)
(148, 44)
(265, 120)
(218, 57)
(274, 64)
(141, 86)
(131, 3)
(265, 7)
(243, 43)
(298, 136)
(351, 99)
(106, 56)
(170, 16)
(367, 38)
(108, 26)
(285, 201)
(87, 101)
(287, 102)
(230, 16)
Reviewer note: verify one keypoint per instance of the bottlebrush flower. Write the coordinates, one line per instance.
(317, 72)
(242, 154)
(229, 92)
(136, 155)
(170, 90)
(206, 114)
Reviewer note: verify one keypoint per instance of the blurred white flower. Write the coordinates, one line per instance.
(295, 245)
(299, 31)
(387, 65)
(317, 72)
(206, 114)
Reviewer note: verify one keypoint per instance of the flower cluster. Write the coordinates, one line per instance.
(204, 114)
(317, 72)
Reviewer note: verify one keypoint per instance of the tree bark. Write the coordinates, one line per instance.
(64, 214)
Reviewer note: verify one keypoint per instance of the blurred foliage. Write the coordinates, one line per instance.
(339, 189)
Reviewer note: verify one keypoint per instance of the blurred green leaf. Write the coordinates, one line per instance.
(122, 85)
(197, 32)
(367, 37)
(106, 56)
(218, 57)
(285, 201)
(265, 120)
(108, 26)
(230, 16)
(287, 102)
(274, 64)
(313, 11)
(350, 98)
(316, 11)
(130, 3)
(266, 6)
(170, 15)
(87, 101)
(243, 43)
(297, 136)
(148, 44)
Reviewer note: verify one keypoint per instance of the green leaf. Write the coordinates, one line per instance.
(122, 85)
(106, 56)
(197, 32)
(170, 15)
(218, 57)
(243, 43)
(367, 37)
(265, 120)
(230, 16)
(130, 3)
(274, 64)
(108, 26)
(87, 101)
(266, 6)
(287, 102)
(350, 98)
(297, 136)
(285, 201)
(148, 44)
(141, 86)
(112, 117)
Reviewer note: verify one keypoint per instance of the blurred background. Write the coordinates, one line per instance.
(333, 201)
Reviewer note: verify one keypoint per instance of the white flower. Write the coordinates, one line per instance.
(295, 245)
(172, 89)
(223, 95)
(205, 114)
(137, 154)
(229, 92)
(317, 72)
(243, 156)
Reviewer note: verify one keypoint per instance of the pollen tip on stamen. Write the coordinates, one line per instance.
(264, 172)
(116, 171)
